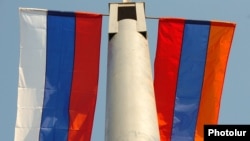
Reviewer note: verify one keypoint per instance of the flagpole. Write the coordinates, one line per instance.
(126, 1)
(130, 102)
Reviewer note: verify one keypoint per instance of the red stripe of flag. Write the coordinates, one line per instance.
(85, 76)
(166, 72)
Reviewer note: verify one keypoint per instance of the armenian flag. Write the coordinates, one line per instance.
(189, 72)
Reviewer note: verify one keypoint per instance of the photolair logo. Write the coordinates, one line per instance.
(215, 132)
(235, 132)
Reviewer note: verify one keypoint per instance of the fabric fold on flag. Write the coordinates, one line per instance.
(189, 71)
(58, 75)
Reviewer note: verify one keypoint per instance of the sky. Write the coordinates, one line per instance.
(235, 102)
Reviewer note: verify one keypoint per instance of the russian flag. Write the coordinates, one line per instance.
(58, 75)
(189, 71)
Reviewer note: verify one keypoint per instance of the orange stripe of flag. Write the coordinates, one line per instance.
(220, 40)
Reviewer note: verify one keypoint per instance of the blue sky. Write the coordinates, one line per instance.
(235, 105)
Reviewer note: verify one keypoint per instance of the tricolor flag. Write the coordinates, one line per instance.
(58, 75)
(190, 66)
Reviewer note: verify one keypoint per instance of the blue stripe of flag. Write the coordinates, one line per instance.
(59, 69)
(190, 78)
